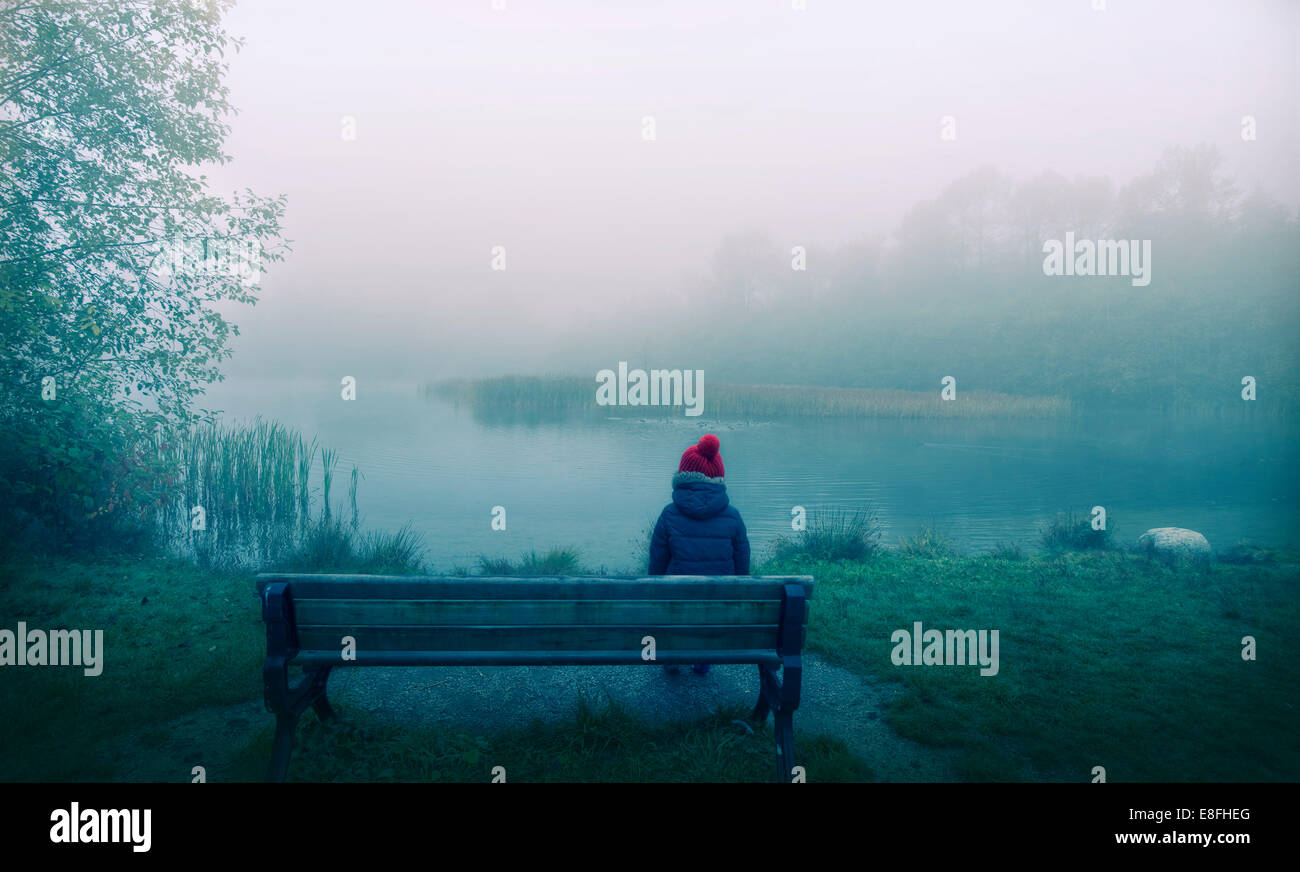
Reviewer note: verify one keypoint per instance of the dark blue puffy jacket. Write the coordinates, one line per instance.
(699, 532)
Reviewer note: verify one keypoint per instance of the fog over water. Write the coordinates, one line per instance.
(821, 127)
(851, 194)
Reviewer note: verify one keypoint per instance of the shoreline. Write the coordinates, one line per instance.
(569, 396)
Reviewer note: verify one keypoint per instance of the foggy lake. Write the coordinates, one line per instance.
(597, 485)
(340, 336)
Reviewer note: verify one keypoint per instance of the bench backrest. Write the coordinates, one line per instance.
(522, 621)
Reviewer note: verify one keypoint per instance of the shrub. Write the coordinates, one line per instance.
(1007, 551)
(833, 535)
(1070, 531)
(77, 474)
(929, 541)
(326, 545)
(1245, 554)
(557, 561)
(400, 552)
(330, 546)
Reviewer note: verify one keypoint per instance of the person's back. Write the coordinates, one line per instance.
(700, 532)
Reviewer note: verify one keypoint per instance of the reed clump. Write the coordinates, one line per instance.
(557, 561)
(929, 542)
(558, 397)
(833, 534)
(261, 493)
(1073, 531)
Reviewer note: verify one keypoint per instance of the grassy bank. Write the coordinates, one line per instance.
(176, 638)
(600, 743)
(184, 649)
(558, 397)
(1106, 659)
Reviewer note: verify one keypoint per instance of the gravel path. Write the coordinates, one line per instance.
(835, 703)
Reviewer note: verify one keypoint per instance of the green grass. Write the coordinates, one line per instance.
(1007, 551)
(1246, 554)
(1105, 659)
(176, 638)
(556, 397)
(598, 743)
(182, 641)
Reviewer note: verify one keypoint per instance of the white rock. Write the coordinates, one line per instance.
(1175, 542)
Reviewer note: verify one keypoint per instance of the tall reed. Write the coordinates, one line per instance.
(329, 458)
(253, 483)
(352, 498)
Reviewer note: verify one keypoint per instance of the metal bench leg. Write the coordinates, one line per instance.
(320, 702)
(762, 708)
(282, 746)
(324, 710)
(784, 731)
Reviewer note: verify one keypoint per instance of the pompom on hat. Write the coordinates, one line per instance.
(703, 457)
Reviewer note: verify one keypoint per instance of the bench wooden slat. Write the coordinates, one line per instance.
(536, 658)
(458, 621)
(370, 612)
(488, 589)
(553, 638)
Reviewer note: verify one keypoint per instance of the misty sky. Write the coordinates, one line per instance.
(523, 128)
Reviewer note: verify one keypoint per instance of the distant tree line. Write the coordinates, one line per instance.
(960, 290)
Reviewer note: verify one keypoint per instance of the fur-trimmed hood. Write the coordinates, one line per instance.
(700, 496)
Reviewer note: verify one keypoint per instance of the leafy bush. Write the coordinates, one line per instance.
(76, 474)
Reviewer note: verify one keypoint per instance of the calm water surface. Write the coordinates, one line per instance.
(597, 485)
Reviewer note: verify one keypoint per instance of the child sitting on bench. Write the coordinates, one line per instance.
(699, 532)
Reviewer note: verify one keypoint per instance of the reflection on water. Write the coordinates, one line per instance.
(597, 483)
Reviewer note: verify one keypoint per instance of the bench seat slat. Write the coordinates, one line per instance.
(553, 638)
(488, 589)
(441, 612)
(533, 658)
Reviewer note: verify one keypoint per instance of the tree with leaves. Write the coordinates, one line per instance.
(114, 253)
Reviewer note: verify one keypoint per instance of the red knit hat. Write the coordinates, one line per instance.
(703, 458)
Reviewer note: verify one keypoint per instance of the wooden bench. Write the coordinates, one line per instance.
(457, 621)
